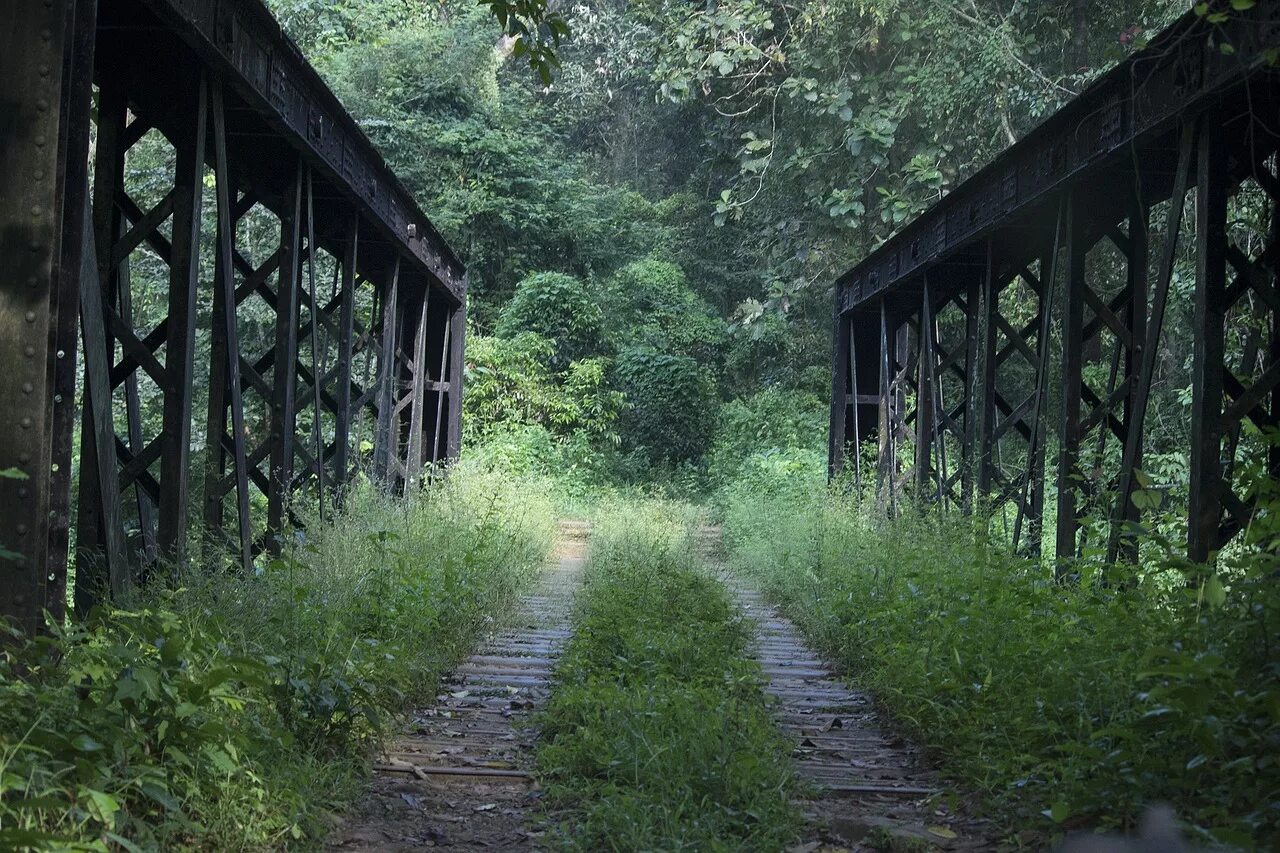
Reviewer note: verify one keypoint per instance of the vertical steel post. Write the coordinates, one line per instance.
(184, 279)
(968, 444)
(284, 373)
(1069, 477)
(226, 286)
(1208, 352)
(1148, 345)
(925, 396)
(346, 325)
(987, 411)
(385, 434)
(46, 64)
(418, 390)
(457, 355)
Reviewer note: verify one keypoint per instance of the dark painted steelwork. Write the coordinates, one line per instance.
(967, 395)
(253, 138)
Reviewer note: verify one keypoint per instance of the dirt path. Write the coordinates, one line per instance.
(459, 777)
(872, 787)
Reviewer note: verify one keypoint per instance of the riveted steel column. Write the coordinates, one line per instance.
(1069, 478)
(46, 61)
(284, 374)
(1208, 352)
(346, 323)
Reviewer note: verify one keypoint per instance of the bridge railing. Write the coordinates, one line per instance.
(263, 313)
(1011, 335)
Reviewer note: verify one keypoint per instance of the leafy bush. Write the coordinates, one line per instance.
(235, 711)
(510, 383)
(657, 735)
(649, 303)
(671, 405)
(1062, 705)
(772, 419)
(559, 308)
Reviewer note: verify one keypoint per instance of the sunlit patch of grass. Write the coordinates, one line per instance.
(657, 736)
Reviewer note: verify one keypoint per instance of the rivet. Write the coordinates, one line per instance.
(34, 246)
(22, 492)
(29, 351)
(39, 174)
(21, 528)
(31, 316)
(27, 387)
(52, 577)
(42, 105)
(33, 282)
(57, 398)
(61, 354)
(24, 457)
(26, 423)
(54, 467)
(19, 599)
(35, 210)
(40, 139)
(45, 34)
(44, 70)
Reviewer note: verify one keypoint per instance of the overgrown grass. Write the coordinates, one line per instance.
(657, 736)
(1063, 705)
(235, 712)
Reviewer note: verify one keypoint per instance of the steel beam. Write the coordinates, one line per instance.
(46, 59)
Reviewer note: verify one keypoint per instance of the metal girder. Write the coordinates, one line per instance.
(237, 102)
(1122, 115)
(1098, 338)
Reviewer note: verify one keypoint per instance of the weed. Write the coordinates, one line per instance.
(657, 736)
(233, 712)
(1063, 704)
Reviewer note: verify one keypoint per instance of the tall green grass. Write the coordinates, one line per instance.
(657, 736)
(232, 712)
(1063, 705)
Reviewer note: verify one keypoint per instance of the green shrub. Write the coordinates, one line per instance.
(511, 383)
(559, 308)
(649, 303)
(671, 405)
(774, 419)
(657, 736)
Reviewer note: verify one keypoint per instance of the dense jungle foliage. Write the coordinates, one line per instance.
(670, 211)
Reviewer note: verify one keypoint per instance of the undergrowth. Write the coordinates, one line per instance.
(1064, 705)
(657, 736)
(230, 712)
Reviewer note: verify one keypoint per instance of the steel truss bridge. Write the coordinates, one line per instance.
(271, 203)
(1023, 313)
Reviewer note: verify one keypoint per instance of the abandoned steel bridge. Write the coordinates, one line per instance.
(368, 301)
(956, 392)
